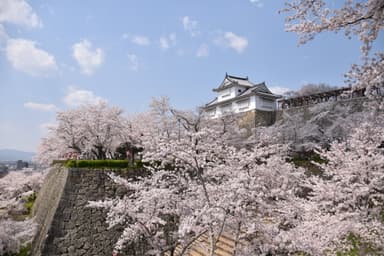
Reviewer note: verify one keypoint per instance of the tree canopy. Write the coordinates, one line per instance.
(361, 19)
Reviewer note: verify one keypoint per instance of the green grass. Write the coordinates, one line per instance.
(358, 247)
(24, 251)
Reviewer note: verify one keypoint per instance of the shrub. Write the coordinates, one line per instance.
(25, 250)
(308, 161)
(59, 162)
(111, 164)
(30, 200)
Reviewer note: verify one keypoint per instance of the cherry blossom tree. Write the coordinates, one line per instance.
(14, 188)
(15, 234)
(103, 125)
(50, 148)
(363, 19)
(160, 111)
(369, 75)
(347, 200)
(90, 131)
(199, 186)
(309, 89)
(16, 183)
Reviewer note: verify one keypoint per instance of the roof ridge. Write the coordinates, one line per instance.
(263, 86)
(236, 77)
(230, 81)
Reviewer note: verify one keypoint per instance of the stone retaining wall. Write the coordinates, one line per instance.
(67, 227)
(46, 204)
(355, 105)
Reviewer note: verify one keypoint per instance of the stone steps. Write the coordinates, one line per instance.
(224, 247)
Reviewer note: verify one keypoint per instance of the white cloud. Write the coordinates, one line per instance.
(257, 3)
(25, 56)
(140, 40)
(202, 51)
(3, 34)
(164, 43)
(235, 42)
(279, 89)
(77, 97)
(133, 62)
(18, 12)
(88, 59)
(167, 41)
(231, 40)
(40, 106)
(190, 26)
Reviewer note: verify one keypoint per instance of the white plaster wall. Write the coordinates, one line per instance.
(251, 106)
(235, 107)
(255, 102)
(222, 94)
(231, 92)
(262, 106)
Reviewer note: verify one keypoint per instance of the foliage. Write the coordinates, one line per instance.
(95, 164)
(358, 247)
(30, 200)
(59, 162)
(24, 251)
(309, 161)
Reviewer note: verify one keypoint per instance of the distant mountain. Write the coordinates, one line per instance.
(14, 155)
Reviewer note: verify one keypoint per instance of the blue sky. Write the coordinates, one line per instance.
(58, 54)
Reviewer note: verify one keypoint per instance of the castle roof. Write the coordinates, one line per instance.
(230, 81)
(250, 89)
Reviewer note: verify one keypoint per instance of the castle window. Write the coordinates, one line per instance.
(225, 95)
